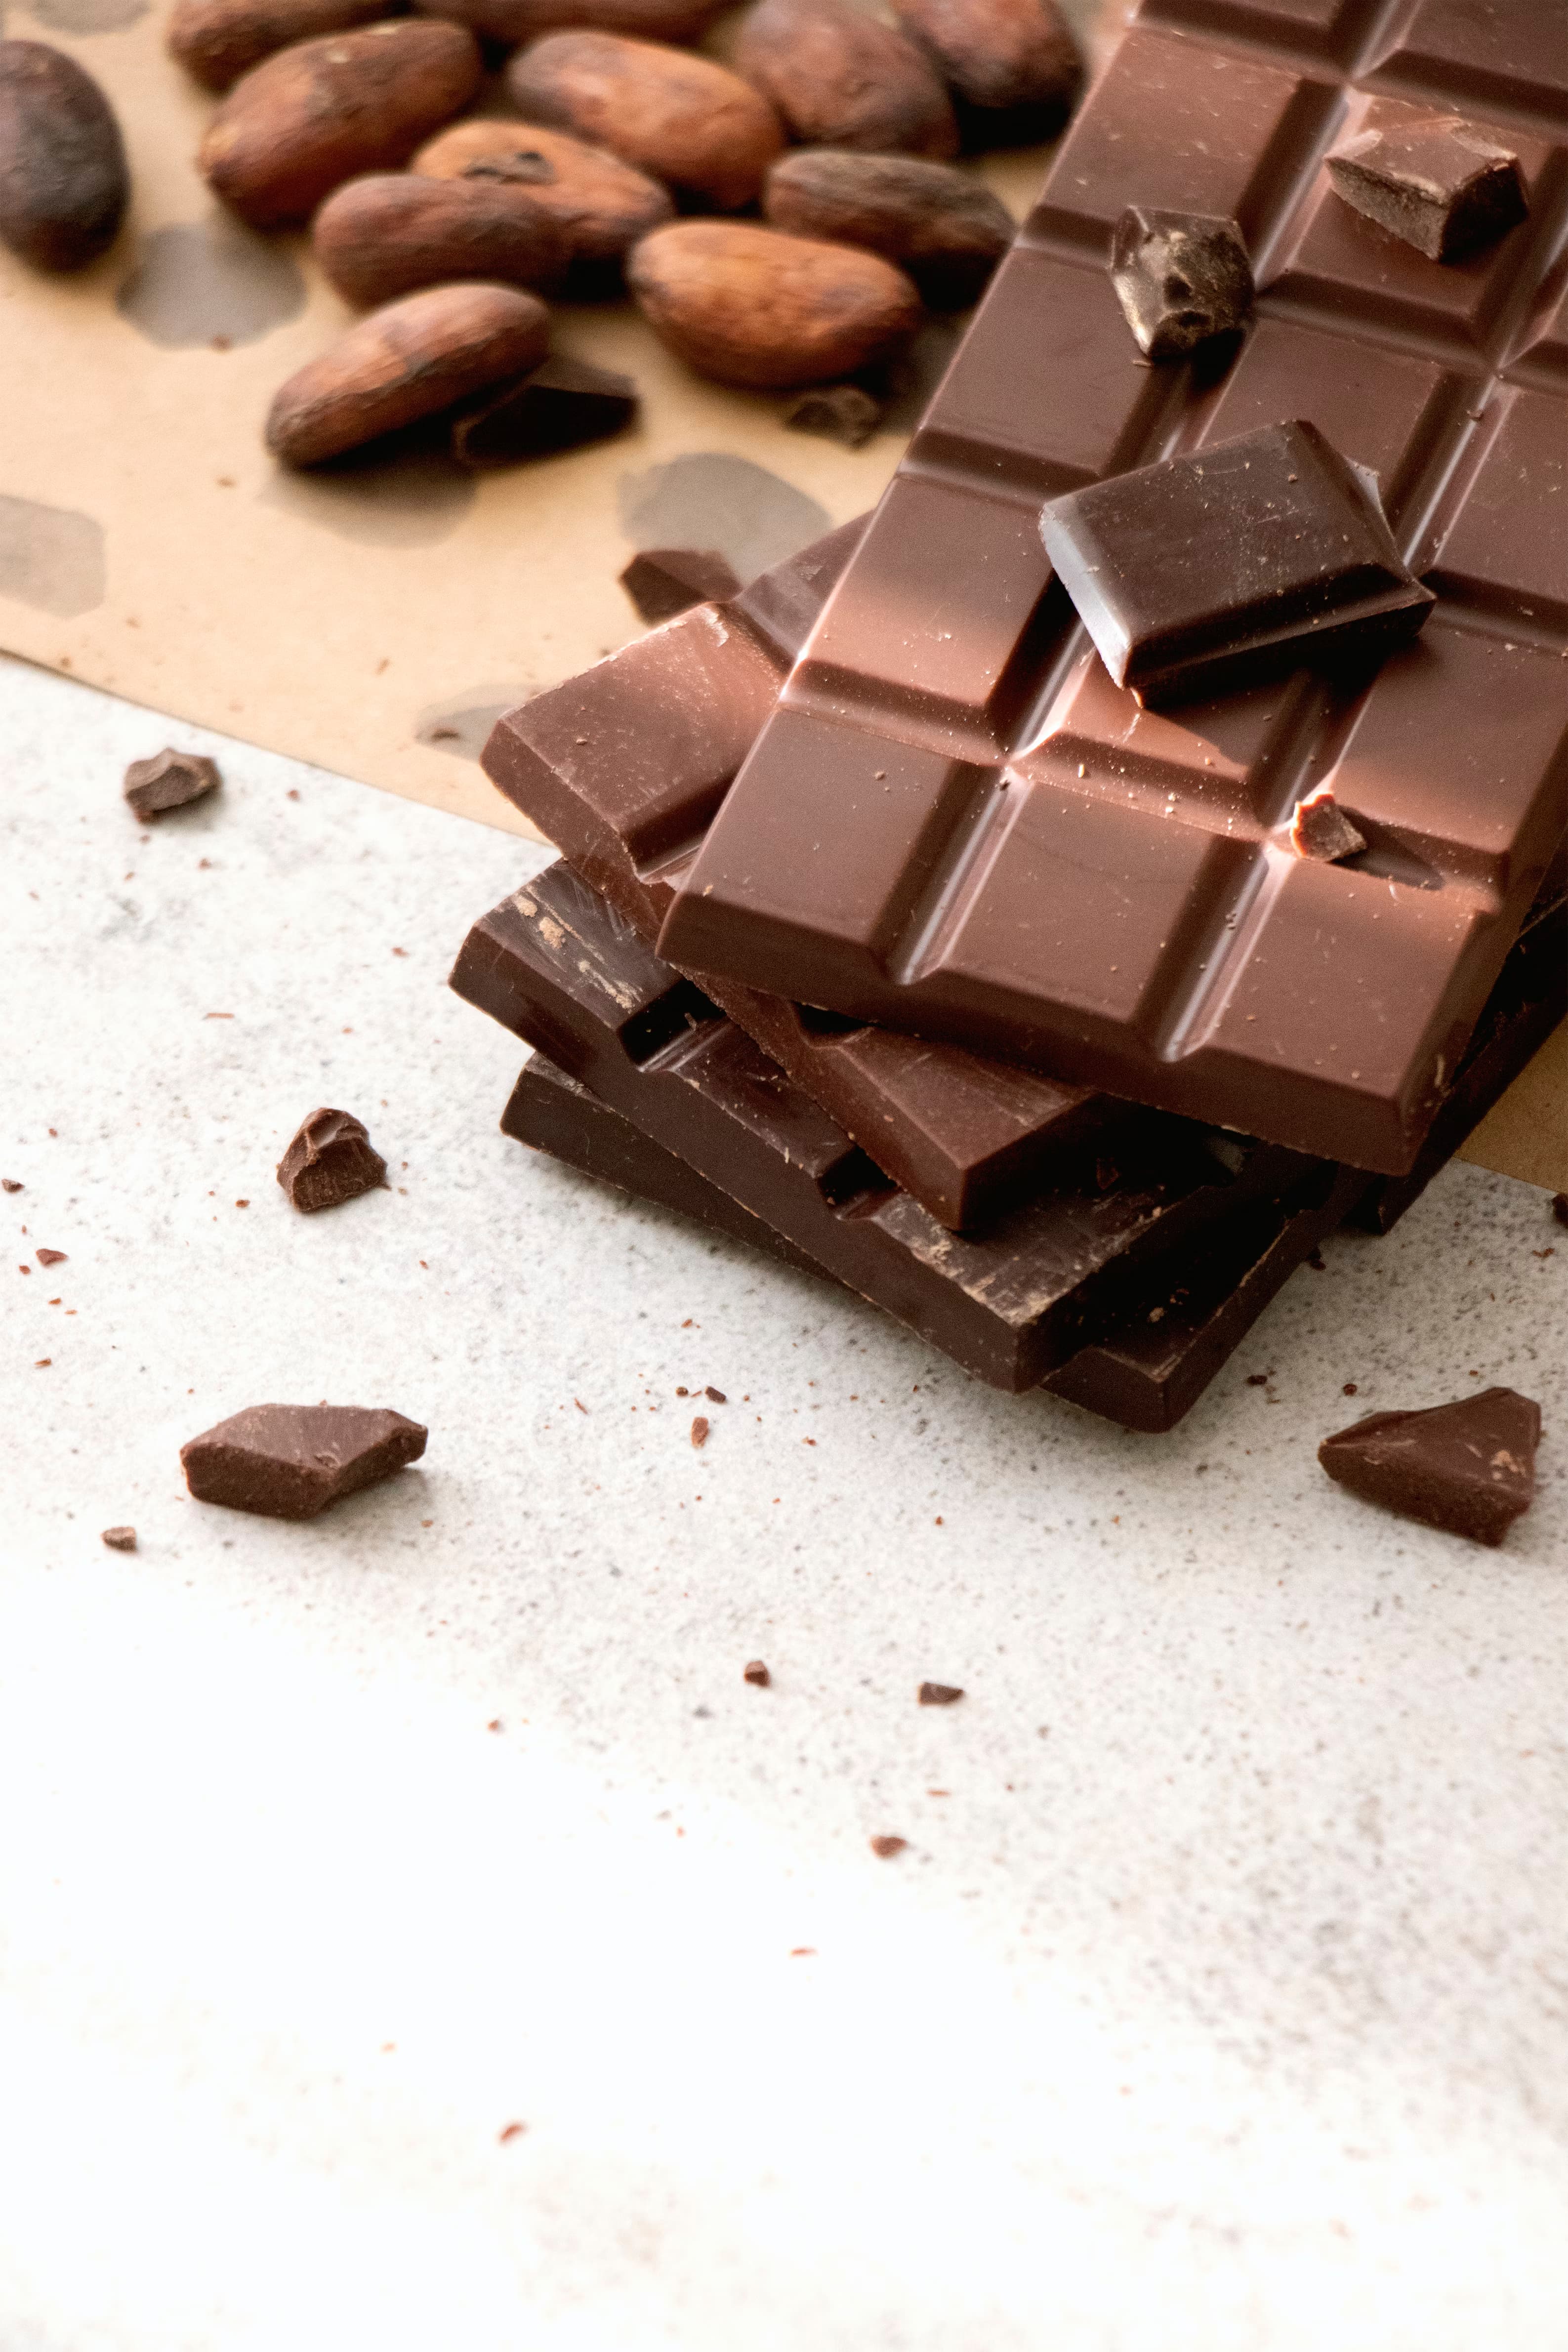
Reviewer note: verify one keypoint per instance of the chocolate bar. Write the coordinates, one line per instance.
(624, 768)
(561, 969)
(955, 823)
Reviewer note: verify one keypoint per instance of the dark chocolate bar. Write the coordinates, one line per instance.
(956, 825)
(561, 969)
(624, 767)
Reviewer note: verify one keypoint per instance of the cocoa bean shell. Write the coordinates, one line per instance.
(1013, 65)
(64, 183)
(840, 79)
(602, 204)
(681, 117)
(750, 305)
(392, 233)
(512, 22)
(297, 125)
(218, 40)
(410, 360)
(942, 225)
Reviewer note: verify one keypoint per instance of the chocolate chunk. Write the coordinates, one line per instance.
(119, 1538)
(291, 1461)
(756, 1674)
(1181, 278)
(1232, 563)
(838, 412)
(700, 1432)
(1467, 1467)
(562, 405)
(940, 1693)
(330, 1160)
(1446, 186)
(169, 781)
(664, 581)
(886, 1847)
(1319, 828)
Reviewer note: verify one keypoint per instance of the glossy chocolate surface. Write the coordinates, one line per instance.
(957, 824)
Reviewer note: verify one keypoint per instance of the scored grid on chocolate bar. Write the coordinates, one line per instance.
(949, 697)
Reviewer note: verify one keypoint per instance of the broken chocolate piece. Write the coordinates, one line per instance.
(1467, 1467)
(664, 581)
(756, 1674)
(1233, 562)
(838, 412)
(700, 1432)
(11, 1184)
(1321, 828)
(171, 780)
(886, 1847)
(291, 1461)
(563, 404)
(50, 1257)
(119, 1538)
(330, 1160)
(940, 1693)
(1445, 185)
(1181, 278)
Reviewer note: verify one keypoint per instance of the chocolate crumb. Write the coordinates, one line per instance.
(510, 2131)
(756, 1672)
(42, 1363)
(13, 1184)
(170, 780)
(1317, 1262)
(1349, 1389)
(494, 1723)
(330, 1160)
(1257, 1379)
(940, 1693)
(50, 1257)
(700, 1431)
(803, 1952)
(683, 1392)
(119, 1538)
(716, 1396)
(886, 1847)
(1321, 829)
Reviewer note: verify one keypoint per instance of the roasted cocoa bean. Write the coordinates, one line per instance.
(64, 185)
(1013, 65)
(218, 40)
(411, 360)
(682, 118)
(603, 204)
(297, 126)
(840, 79)
(392, 232)
(943, 226)
(751, 306)
(512, 22)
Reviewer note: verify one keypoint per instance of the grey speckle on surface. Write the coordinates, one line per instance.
(50, 557)
(752, 517)
(462, 726)
(410, 495)
(88, 16)
(201, 278)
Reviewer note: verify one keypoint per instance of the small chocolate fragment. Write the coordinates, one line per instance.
(1559, 1207)
(1181, 278)
(562, 406)
(664, 581)
(1467, 1467)
(289, 1461)
(1233, 562)
(700, 1432)
(940, 1693)
(330, 1160)
(51, 1257)
(1321, 828)
(756, 1674)
(887, 1846)
(11, 1184)
(715, 1396)
(171, 780)
(838, 412)
(1445, 185)
(119, 1538)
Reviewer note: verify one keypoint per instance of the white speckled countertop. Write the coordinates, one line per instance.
(1216, 2004)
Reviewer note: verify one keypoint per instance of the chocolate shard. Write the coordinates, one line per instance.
(170, 780)
(837, 412)
(119, 1538)
(1181, 278)
(1233, 564)
(1319, 828)
(291, 1461)
(563, 404)
(664, 581)
(1446, 186)
(940, 1693)
(1467, 1467)
(330, 1160)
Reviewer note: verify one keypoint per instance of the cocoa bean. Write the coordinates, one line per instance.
(682, 118)
(841, 80)
(603, 204)
(1013, 65)
(751, 306)
(411, 360)
(512, 22)
(391, 233)
(218, 40)
(945, 227)
(297, 125)
(64, 185)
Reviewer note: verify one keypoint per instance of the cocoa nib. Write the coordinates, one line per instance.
(170, 780)
(756, 1674)
(330, 1160)
(291, 1461)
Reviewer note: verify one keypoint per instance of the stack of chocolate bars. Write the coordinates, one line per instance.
(1053, 904)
